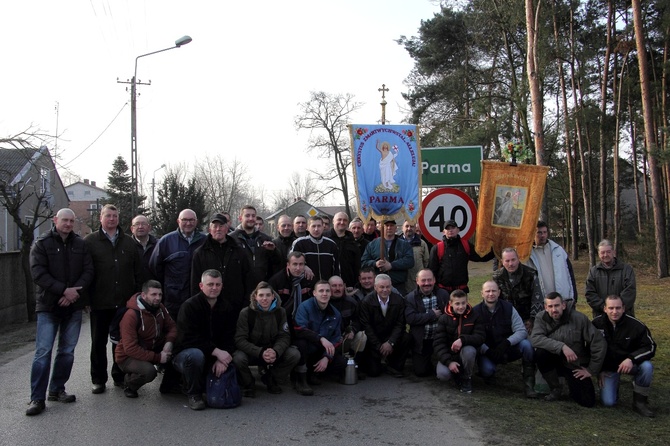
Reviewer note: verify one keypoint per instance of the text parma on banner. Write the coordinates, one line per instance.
(387, 170)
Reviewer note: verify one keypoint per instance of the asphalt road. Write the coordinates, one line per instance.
(377, 411)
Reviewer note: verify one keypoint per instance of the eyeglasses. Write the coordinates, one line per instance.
(187, 220)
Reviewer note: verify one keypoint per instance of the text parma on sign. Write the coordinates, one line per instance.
(451, 166)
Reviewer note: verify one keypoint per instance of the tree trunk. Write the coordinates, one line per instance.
(656, 188)
(586, 171)
(536, 99)
(603, 121)
(573, 212)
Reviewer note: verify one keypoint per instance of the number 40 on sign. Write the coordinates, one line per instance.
(447, 204)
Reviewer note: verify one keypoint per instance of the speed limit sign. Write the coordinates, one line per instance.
(446, 204)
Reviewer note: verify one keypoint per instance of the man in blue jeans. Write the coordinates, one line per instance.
(203, 339)
(629, 350)
(62, 269)
(506, 338)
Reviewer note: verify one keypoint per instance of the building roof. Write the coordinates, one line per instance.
(13, 161)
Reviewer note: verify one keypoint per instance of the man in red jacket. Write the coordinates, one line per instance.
(147, 335)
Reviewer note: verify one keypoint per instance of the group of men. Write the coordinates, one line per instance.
(194, 303)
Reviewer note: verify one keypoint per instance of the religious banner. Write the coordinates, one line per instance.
(387, 171)
(509, 205)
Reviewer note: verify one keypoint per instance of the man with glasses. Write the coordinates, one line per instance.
(170, 262)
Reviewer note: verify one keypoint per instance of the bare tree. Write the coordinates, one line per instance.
(27, 196)
(326, 116)
(226, 185)
(299, 187)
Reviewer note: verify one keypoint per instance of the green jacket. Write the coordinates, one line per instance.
(268, 331)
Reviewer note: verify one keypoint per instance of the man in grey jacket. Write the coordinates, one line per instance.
(567, 344)
(610, 277)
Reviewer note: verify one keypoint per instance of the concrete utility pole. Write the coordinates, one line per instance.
(133, 119)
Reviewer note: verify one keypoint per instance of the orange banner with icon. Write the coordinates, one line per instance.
(510, 202)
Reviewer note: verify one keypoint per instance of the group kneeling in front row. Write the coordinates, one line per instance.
(563, 344)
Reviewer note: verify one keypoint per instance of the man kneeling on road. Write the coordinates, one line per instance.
(318, 336)
(147, 335)
(201, 337)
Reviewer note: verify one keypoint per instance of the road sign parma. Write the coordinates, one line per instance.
(447, 204)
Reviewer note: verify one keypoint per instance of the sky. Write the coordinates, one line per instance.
(233, 91)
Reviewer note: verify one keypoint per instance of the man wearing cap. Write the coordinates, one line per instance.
(449, 259)
(398, 256)
(223, 254)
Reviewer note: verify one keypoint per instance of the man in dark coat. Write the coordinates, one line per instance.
(62, 269)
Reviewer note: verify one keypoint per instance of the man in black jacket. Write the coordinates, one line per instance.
(630, 348)
(203, 340)
(382, 316)
(118, 275)
(62, 269)
(449, 259)
(259, 248)
(224, 254)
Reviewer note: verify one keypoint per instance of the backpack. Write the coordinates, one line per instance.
(440, 248)
(224, 392)
(115, 329)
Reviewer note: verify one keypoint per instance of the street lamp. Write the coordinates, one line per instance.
(133, 119)
(153, 190)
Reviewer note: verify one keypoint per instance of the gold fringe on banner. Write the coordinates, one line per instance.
(509, 206)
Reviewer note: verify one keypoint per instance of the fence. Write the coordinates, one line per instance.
(12, 289)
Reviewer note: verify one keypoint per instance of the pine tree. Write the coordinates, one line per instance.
(175, 196)
(120, 190)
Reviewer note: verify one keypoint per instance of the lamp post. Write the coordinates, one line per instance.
(153, 190)
(133, 120)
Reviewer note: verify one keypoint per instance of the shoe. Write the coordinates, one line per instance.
(271, 384)
(119, 384)
(195, 402)
(554, 394)
(249, 392)
(61, 397)
(130, 393)
(98, 389)
(466, 385)
(35, 408)
(170, 388)
(394, 373)
(313, 379)
(301, 385)
(640, 405)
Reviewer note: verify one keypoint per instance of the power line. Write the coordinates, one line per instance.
(98, 137)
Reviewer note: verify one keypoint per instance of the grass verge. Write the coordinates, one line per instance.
(507, 418)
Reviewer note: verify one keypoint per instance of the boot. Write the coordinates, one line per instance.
(301, 385)
(555, 389)
(640, 405)
(528, 372)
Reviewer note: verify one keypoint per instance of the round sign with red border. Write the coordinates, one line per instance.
(446, 204)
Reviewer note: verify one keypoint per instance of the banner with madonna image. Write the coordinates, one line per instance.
(510, 201)
(387, 171)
